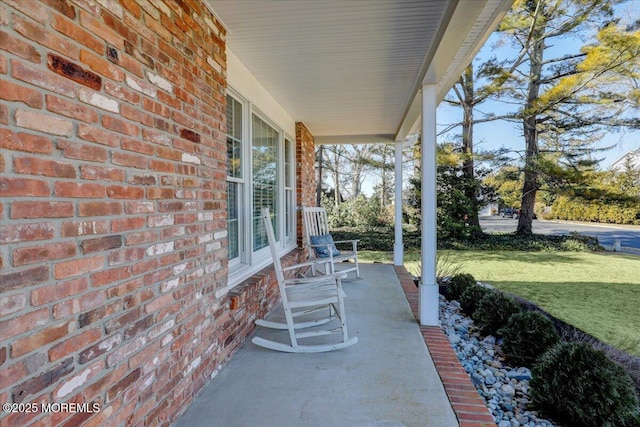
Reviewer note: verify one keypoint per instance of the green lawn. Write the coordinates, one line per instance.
(596, 292)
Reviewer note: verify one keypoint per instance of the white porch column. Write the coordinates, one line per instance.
(398, 248)
(428, 291)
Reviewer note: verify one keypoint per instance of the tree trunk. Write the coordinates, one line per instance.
(467, 144)
(386, 178)
(357, 171)
(358, 167)
(530, 123)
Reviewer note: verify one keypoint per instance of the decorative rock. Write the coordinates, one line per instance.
(454, 339)
(496, 364)
(489, 340)
(508, 391)
(505, 389)
(477, 379)
(490, 380)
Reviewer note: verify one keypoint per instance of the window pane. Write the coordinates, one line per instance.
(288, 213)
(234, 165)
(264, 152)
(287, 163)
(233, 217)
(234, 137)
(288, 188)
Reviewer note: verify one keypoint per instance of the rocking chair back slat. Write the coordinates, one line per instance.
(316, 224)
(303, 297)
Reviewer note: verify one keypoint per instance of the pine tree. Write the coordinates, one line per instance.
(566, 100)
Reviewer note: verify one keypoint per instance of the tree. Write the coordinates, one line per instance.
(472, 89)
(454, 208)
(330, 159)
(507, 184)
(567, 98)
(361, 165)
(466, 98)
(628, 179)
(351, 165)
(382, 162)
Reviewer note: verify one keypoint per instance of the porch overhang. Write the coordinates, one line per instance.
(365, 72)
(352, 71)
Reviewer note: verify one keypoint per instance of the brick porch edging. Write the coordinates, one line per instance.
(467, 404)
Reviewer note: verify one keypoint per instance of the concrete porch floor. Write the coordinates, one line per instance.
(387, 379)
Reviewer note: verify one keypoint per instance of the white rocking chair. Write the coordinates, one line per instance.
(301, 297)
(316, 225)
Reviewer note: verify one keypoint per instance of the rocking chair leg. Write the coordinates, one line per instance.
(302, 296)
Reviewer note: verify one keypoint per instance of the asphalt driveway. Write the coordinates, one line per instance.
(607, 234)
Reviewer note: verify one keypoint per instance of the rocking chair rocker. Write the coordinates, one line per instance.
(304, 296)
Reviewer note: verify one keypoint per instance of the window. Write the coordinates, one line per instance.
(264, 152)
(234, 177)
(260, 162)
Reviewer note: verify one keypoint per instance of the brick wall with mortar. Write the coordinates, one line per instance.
(306, 174)
(113, 233)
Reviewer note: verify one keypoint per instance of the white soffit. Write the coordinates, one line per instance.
(349, 69)
(471, 24)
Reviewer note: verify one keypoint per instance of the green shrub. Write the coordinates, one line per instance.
(577, 242)
(494, 311)
(356, 212)
(382, 239)
(527, 243)
(527, 336)
(577, 385)
(471, 296)
(457, 284)
(605, 211)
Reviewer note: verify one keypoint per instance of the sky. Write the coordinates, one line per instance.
(497, 134)
(494, 135)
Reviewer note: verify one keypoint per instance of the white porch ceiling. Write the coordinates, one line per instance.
(351, 70)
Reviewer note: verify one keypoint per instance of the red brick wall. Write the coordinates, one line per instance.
(113, 168)
(305, 175)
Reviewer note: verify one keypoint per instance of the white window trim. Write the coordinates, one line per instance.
(292, 238)
(245, 173)
(249, 263)
(236, 262)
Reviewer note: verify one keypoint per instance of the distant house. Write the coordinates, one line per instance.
(631, 158)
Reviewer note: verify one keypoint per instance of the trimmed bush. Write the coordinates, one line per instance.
(527, 336)
(494, 311)
(604, 211)
(382, 239)
(471, 296)
(578, 386)
(457, 284)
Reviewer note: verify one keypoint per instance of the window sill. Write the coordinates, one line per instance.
(242, 274)
(258, 293)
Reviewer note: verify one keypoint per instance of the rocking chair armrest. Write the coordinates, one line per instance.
(354, 244)
(315, 279)
(306, 264)
(328, 245)
(347, 241)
